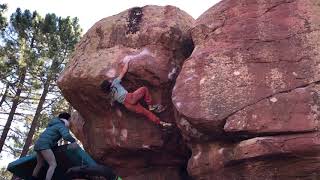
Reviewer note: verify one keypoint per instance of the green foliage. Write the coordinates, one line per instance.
(41, 46)
(3, 20)
(60, 106)
(21, 45)
(44, 120)
(3, 24)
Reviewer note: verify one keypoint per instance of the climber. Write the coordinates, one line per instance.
(131, 100)
(57, 128)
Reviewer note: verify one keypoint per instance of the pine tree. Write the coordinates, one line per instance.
(3, 20)
(21, 38)
(3, 69)
(61, 35)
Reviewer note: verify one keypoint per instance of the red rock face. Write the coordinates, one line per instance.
(283, 157)
(254, 73)
(247, 100)
(294, 111)
(112, 135)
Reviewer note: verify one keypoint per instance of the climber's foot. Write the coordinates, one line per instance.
(165, 124)
(157, 108)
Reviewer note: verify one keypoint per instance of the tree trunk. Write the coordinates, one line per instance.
(4, 96)
(35, 120)
(15, 104)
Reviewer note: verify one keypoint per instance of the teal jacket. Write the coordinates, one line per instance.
(53, 133)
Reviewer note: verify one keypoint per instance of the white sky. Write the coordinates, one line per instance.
(89, 12)
(92, 11)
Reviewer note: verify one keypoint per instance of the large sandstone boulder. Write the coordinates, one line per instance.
(249, 88)
(280, 157)
(135, 147)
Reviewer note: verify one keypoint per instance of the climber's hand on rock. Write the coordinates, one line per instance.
(145, 51)
(112, 104)
(73, 146)
(126, 59)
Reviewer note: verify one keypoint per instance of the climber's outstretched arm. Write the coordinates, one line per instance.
(124, 70)
(128, 58)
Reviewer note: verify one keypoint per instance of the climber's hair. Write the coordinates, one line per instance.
(105, 86)
(64, 115)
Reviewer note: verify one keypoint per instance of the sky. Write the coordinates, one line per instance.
(90, 12)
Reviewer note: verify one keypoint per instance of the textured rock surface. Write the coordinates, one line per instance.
(247, 51)
(285, 157)
(294, 111)
(128, 142)
(247, 101)
(254, 72)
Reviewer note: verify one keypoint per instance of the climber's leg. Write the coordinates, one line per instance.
(138, 94)
(40, 163)
(141, 110)
(143, 92)
(51, 160)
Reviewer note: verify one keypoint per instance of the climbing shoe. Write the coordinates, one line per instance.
(157, 108)
(165, 124)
